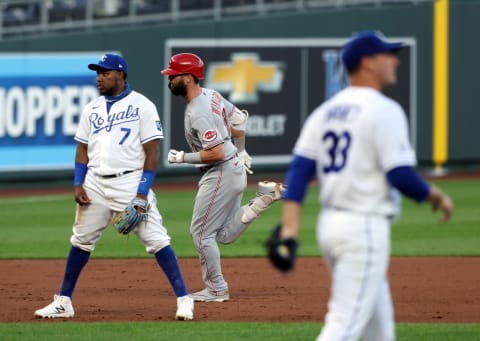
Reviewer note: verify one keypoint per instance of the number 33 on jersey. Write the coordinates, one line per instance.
(351, 137)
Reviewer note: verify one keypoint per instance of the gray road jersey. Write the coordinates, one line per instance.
(207, 124)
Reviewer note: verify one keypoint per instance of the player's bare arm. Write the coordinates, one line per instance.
(290, 219)
(81, 158)
(440, 201)
(213, 155)
(152, 155)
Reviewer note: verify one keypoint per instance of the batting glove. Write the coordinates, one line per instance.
(175, 156)
(247, 161)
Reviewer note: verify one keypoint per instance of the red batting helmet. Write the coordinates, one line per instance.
(184, 63)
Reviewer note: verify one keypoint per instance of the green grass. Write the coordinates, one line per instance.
(418, 233)
(40, 227)
(232, 331)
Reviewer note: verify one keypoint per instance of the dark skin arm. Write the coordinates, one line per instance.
(81, 156)
(152, 156)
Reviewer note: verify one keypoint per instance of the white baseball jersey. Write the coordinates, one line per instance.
(133, 120)
(356, 137)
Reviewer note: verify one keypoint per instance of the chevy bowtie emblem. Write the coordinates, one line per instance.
(244, 76)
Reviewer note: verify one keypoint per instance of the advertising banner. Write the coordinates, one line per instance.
(279, 82)
(41, 98)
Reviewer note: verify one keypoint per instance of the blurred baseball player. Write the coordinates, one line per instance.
(116, 159)
(215, 131)
(357, 145)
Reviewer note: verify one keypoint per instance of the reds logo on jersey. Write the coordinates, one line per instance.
(209, 135)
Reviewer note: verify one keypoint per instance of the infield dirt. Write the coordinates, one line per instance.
(426, 289)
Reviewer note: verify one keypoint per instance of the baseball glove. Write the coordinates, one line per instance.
(281, 252)
(126, 220)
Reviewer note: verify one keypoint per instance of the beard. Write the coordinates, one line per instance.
(107, 92)
(178, 90)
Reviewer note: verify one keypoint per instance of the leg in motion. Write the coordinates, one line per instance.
(268, 192)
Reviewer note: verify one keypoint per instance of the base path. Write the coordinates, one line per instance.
(427, 289)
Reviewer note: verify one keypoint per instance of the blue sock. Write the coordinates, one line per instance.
(167, 260)
(75, 263)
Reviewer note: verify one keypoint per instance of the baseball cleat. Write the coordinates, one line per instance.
(274, 189)
(184, 308)
(206, 295)
(268, 192)
(60, 307)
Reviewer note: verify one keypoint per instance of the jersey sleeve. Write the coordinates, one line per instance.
(391, 138)
(151, 127)
(407, 181)
(300, 171)
(207, 132)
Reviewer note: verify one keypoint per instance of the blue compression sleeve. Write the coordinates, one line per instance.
(80, 172)
(146, 182)
(299, 174)
(76, 260)
(167, 260)
(409, 183)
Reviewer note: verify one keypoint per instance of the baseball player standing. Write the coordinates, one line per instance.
(215, 131)
(116, 160)
(357, 145)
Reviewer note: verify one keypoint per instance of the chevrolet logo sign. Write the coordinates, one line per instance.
(244, 76)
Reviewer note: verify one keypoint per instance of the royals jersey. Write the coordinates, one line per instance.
(355, 138)
(207, 122)
(115, 138)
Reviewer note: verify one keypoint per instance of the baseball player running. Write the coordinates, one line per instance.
(116, 159)
(215, 131)
(357, 145)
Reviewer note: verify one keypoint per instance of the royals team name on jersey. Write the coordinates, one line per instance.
(115, 138)
(99, 122)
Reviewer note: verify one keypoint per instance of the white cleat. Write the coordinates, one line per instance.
(184, 308)
(274, 189)
(60, 307)
(268, 192)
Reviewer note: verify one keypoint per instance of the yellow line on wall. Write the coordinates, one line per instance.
(440, 84)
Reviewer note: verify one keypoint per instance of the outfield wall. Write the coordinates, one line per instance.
(45, 81)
